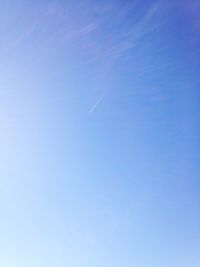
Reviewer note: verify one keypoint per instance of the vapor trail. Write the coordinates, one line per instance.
(96, 104)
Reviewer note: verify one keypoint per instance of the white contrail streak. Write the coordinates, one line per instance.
(96, 104)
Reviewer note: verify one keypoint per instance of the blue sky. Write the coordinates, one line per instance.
(99, 114)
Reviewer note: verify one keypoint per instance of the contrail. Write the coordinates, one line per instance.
(96, 104)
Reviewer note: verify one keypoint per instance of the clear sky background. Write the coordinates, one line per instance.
(99, 133)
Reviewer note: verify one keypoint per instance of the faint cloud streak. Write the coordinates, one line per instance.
(96, 104)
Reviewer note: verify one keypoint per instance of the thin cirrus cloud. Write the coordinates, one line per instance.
(88, 32)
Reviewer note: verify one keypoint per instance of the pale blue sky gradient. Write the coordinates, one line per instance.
(99, 133)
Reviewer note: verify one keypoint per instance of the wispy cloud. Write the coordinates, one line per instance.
(104, 38)
(96, 104)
